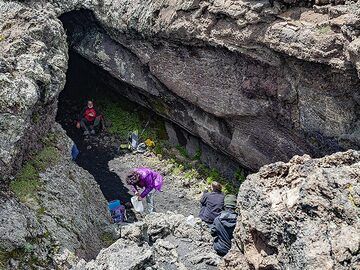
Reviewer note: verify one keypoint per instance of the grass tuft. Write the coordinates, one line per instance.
(27, 181)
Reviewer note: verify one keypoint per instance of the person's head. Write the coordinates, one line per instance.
(216, 187)
(230, 201)
(132, 178)
(90, 104)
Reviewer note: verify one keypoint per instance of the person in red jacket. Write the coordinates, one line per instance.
(89, 119)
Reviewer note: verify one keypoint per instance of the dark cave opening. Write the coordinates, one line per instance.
(94, 155)
(86, 80)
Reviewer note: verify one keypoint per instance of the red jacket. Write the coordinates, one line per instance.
(87, 115)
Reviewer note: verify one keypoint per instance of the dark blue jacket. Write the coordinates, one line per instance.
(223, 229)
(212, 204)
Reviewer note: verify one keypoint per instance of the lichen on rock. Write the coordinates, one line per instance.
(303, 214)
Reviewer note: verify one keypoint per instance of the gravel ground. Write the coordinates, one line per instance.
(177, 195)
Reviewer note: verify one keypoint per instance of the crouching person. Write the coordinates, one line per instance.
(147, 179)
(89, 119)
(212, 203)
(224, 225)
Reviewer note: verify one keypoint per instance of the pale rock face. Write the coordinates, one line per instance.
(300, 215)
(161, 241)
(69, 214)
(33, 61)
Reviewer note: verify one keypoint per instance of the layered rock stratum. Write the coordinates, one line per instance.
(259, 82)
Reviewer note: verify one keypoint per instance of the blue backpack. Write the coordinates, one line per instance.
(117, 211)
(119, 214)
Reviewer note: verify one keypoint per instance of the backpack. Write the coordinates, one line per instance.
(118, 214)
(74, 152)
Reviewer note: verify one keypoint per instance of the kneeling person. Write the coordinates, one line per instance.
(89, 119)
(224, 225)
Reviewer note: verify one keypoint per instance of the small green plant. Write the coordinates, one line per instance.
(35, 117)
(324, 29)
(229, 188)
(2, 38)
(183, 151)
(125, 118)
(50, 139)
(107, 238)
(214, 175)
(27, 183)
(5, 256)
(240, 175)
(178, 168)
(45, 158)
(197, 155)
(41, 211)
(191, 174)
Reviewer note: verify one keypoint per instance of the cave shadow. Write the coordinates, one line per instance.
(95, 150)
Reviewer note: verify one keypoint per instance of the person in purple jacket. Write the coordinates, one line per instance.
(147, 179)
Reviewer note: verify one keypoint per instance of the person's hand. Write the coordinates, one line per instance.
(91, 114)
(78, 125)
(139, 197)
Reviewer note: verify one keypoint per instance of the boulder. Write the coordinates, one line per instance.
(300, 215)
(33, 62)
(161, 241)
(65, 213)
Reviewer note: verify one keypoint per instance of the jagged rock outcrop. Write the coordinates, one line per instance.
(161, 241)
(33, 62)
(66, 211)
(304, 214)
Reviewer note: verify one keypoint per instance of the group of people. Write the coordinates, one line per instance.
(217, 210)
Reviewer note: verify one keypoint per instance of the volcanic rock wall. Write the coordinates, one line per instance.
(300, 215)
(258, 82)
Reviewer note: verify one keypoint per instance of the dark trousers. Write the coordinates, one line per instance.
(85, 124)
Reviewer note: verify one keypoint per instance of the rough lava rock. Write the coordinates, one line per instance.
(304, 214)
(162, 241)
(69, 213)
(257, 81)
(33, 62)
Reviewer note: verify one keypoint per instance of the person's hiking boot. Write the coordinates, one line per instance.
(86, 132)
(92, 131)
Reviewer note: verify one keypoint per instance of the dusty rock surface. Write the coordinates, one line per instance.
(300, 215)
(174, 244)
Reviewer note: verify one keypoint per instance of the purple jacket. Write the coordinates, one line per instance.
(149, 180)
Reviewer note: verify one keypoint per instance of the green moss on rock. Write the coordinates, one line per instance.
(27, 182)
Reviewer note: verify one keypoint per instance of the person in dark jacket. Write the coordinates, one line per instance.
(224, 225)
(212, 203)
(89, 119)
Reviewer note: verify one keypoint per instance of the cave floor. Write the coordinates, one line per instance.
(99, 155)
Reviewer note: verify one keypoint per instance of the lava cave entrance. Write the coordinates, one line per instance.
(121, 115)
